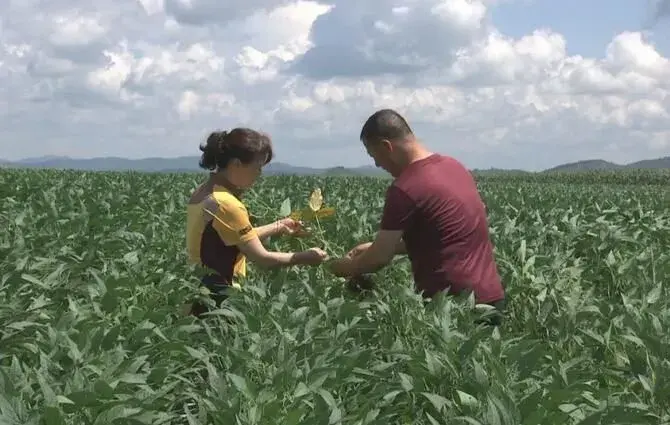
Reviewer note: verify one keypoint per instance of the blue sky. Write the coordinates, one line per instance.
(587, 26)
(496, 83)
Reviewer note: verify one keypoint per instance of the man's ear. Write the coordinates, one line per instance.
(386, 145)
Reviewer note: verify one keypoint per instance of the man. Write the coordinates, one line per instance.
(433, 213)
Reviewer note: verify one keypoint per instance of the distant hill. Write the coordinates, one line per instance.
(190, 164)
(358, 171)
(599, 164)
(651, 163)
(493, 171)
(179, 164)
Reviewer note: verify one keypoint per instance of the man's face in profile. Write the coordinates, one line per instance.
(381, 151)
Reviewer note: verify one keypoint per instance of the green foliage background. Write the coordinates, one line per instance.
(93, 274)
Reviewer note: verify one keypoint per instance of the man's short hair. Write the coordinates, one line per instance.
(385, 124)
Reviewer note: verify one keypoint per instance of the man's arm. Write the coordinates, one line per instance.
(378, 255)
(398, 212)
(401, 248)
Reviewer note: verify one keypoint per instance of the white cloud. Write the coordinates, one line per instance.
(203, 12)
(74, 30)
(372, 38)
(152, 77)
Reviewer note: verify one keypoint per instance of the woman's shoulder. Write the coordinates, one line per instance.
(226, 199)
(199, 194)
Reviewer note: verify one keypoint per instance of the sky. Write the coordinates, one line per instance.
(526, 84)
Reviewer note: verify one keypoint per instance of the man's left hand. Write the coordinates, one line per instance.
(341, 267)
(358, 249)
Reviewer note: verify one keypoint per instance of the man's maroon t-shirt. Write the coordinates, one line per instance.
(435, 202)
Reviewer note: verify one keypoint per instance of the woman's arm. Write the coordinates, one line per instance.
(268, 230)
(285, 226)
(256, 253)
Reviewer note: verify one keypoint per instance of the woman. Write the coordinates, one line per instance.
(219, 233)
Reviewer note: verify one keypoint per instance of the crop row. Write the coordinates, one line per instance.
(93, 273)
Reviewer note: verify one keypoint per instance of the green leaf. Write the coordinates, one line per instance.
(436, 400)
(103, 390)
(110, 339)
(285, 209)
(406, 381)
(131, 258)
(655, 294)
(109, 301)
(53, 416)
(84, 399)
(300, 390)
(466, 399)
(240, 384)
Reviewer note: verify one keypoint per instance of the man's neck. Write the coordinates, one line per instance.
(417, 154)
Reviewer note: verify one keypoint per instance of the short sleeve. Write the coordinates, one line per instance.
(398, 209)
(232, 223)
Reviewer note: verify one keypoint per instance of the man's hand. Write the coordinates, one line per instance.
(341, 267)
(358, 249)
(367, 257)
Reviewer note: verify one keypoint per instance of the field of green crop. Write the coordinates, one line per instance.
(93, 274)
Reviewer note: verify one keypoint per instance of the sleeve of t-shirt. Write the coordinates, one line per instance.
(398, 210)
(232, 223)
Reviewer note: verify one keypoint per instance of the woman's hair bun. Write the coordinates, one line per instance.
(212, 149)
(243, 144)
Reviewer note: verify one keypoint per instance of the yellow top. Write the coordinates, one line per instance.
(214, 228)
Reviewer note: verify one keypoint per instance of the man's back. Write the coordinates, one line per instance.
(436, 203)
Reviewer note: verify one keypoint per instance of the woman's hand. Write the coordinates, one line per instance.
(289, 227)
(311, 257)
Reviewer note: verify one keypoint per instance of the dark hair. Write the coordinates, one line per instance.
(385, 124)
(243, 144)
